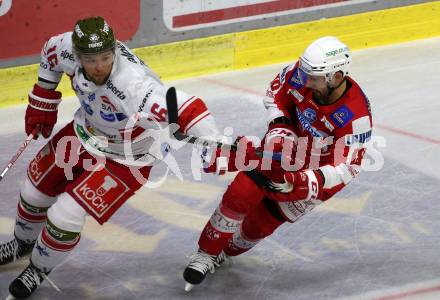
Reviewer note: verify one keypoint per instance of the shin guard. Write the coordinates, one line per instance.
(29, 221)
(222, 224)
(53, 246)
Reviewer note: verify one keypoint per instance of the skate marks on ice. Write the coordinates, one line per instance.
(374, 233)
(379, 236)
(426, 290)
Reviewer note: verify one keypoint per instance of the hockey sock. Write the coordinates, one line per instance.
(239, 243)
(222, 224)
(29, 221)
(53, 246)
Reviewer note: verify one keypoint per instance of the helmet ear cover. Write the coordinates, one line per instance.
(92, 35)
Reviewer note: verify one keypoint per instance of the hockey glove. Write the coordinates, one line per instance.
(300, 185)
(280, 138)
(42, 110)
(278, 135)
(231, 161)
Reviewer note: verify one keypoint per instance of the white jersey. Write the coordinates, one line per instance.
(108, 112)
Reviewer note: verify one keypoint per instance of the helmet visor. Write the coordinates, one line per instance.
(309, 78)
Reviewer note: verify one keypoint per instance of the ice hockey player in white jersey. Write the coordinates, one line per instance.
(89, 166)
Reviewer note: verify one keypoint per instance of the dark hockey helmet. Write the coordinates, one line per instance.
(92, 35)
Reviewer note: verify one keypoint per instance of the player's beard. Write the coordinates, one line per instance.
(321, 96)
(100, 80)
(97, 80)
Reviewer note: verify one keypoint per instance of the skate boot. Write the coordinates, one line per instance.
(26, 283)
(14, 250)
(199, 265)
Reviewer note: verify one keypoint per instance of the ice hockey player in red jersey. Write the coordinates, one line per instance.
(320, 120)
(85, 168)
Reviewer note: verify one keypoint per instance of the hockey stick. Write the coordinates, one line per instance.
(171, 99)
(23, 147)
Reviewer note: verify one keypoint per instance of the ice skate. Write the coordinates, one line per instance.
(26, 283)
(13, 250)
(199, 265)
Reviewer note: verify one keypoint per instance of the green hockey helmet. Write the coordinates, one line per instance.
(92, 35)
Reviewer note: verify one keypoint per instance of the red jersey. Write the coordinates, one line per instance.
(331, 138)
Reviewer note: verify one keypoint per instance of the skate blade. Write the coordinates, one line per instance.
(188, 286)
(10, 297)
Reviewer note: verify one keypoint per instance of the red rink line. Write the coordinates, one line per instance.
(410, 293)
(244, 11)
(384, 127)
(409, 134)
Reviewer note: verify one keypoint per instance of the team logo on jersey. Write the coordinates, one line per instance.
(67, 55)
(327, 123)
(298, 78)
(95, 131)
(41, 164)
(342, 116)
(120, 94)
(306, 124)
(87, 107)
(127, 54)
(310, 115)
(112, 117)
(144, 101)
(78, 90)
(99, 191)
(109, 112)
(351, 139)
(106, 105)
(107, 117)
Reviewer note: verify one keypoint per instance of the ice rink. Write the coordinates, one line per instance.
(377, 239)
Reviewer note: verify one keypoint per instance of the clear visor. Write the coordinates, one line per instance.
(308, 77)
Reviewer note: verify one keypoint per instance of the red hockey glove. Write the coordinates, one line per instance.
(222, 162)
(280, 138)
(42, 110)
(301, 185)
(278, 135)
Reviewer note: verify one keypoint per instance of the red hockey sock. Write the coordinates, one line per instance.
(218, 230)
(238, 244)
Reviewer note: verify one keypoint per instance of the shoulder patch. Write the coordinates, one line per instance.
(298, 78)
(342, 116)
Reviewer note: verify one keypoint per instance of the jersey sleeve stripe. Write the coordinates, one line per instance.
(186, 104)
(190, 113)
(196, 120)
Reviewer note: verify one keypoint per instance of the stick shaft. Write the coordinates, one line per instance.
(20, 150)
(171, 99)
